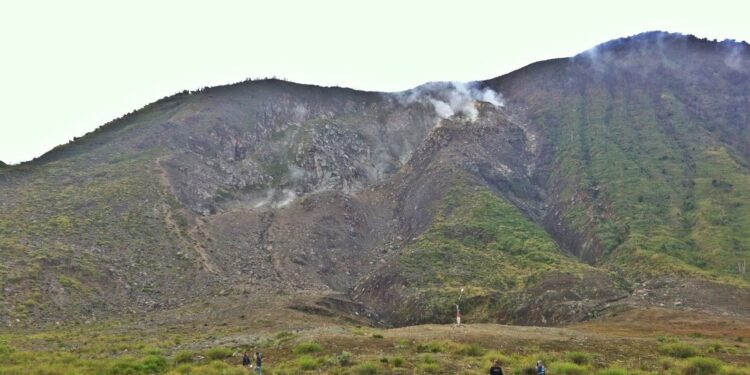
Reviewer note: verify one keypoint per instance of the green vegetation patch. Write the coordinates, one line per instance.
(219, 353)
(308, 347)
(678, 350)
(483, 243)
(702, 366)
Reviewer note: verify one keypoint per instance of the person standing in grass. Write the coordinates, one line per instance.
(246, 361)
(259, 363)
(496, 369)
(540, 370)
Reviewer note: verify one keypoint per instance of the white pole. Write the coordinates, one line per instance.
(458, 309)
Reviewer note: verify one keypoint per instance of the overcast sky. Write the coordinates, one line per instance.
(67, 67)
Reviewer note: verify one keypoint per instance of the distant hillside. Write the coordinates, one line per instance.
(617, 178)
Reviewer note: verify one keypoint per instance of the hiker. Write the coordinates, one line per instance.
(259, 363)
(246, 361)
(496, 369)
(540, 370)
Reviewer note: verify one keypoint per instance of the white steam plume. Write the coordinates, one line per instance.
(736, 57)
(442, 108)
(289, 197)
(275, 198)
(451, 98)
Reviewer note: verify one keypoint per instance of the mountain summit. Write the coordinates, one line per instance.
(615, 179)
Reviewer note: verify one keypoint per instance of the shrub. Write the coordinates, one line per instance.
(5, 349)
(307, 348)
(377, 336)
(19, 358)
(431, 347)
(471, 350)
(184, 357)
(152, 351)
(612, 371)
(218, 353)
(284, 336)
(666, 363)
(666, 339)
(526, 371)
(307, 363)
(154, 364)
(219, 368)
(344, 359)
(494, 355)
(431, 368)
(124, 366)
(579, 358)
(702, 366)
(403, 344)
(565, 368)
(398, 361)
(715, 347)
(366, 368)
(678, 350)
(730, 370)
(184, 368)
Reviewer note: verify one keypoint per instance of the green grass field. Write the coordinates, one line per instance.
(337, 349)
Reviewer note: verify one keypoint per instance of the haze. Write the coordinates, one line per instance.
(69, 67)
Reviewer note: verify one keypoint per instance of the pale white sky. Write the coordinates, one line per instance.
(67, 67)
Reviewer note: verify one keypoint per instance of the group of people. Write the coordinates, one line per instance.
(497, 370)
(247, 361)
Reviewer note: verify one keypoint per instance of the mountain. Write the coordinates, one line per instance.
(569, 189)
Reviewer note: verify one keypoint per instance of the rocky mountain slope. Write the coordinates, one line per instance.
(616, 178)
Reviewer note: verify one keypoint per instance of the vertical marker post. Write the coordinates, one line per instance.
(458, 309)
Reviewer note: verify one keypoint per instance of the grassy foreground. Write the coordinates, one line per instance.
(691, 344)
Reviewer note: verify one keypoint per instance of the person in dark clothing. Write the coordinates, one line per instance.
(496, 369)
(540, 370)
(259, 363)
(246, 361)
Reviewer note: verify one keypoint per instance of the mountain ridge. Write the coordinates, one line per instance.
(624, 41)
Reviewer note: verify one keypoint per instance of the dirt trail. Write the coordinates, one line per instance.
(188, 237)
